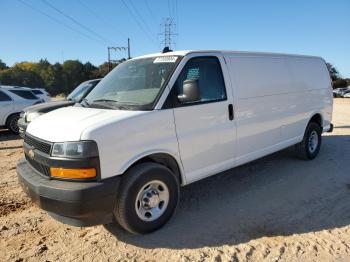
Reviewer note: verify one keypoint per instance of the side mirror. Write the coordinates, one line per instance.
(190, 92)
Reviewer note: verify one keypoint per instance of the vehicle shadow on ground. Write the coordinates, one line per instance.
(276, 195)
(7, 135)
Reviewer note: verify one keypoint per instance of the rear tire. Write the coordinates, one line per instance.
(12, 123)
(310, 146)
(147, 198)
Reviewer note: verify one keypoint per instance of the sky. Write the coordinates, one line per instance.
(59, 30)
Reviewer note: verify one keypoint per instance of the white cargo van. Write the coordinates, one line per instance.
(161, 121)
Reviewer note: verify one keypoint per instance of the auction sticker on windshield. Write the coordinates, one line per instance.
(165, 59)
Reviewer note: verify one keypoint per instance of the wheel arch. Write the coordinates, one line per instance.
(163, 158)
(317, 118)
(11, 114)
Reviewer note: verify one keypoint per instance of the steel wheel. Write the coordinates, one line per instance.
(313, 141)
(152, 200)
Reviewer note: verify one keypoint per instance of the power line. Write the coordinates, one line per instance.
(169, 8)
(140, 16)
(56, 20)
(177, 16)
(75, 21)
(97, 16)
(150, 12)
(137, 21)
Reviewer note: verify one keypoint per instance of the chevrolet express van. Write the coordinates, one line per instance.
(162, 121)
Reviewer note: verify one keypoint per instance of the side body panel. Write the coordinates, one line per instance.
(275, 97)
(122, 143)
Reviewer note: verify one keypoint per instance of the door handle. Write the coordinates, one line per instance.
(230, 112)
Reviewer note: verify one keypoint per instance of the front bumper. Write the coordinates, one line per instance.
(328, 129)
(70, 202)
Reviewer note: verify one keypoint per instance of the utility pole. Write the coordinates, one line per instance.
(168, 26)
(117, 49)
(129, 48)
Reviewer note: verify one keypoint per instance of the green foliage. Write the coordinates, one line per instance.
(19, 77)
(334, 73)
(337, 80)
(2, 65)
(63, 78)
(341, 82)
(55, 78)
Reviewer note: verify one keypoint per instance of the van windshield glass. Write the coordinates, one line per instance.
(134, 84)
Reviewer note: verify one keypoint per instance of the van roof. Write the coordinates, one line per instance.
(225, 52)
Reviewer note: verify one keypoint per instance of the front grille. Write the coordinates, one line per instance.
(42, 169)
(40, 145)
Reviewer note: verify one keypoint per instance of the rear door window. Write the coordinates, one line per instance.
(37, 92)
(24, 94)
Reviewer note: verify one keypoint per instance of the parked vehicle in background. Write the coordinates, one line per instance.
(340, 92)
(160, 121)
(42, 93)
(76, 96)
(12, 102)
(346, 95)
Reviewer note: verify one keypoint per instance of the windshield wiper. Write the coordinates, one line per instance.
(104, 100)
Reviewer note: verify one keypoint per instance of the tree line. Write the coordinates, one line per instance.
(55, 78)
(63, 78)
(337, 80)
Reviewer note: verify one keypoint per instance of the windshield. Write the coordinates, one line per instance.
(134, 84)
(81, 90)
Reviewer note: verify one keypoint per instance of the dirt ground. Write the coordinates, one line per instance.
(278, 208)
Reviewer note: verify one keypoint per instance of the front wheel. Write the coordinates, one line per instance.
(147, 198)
(310, 146)
(12, 123)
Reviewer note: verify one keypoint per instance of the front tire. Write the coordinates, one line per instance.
(147, 198)
(310, 146)
(12, 123)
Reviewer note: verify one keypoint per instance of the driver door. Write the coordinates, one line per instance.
(205, 129)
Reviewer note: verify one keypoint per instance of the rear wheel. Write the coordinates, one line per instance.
(310, 146)
(12, 123)
(147, 198)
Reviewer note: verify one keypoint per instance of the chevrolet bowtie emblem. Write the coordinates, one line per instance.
(31, 153)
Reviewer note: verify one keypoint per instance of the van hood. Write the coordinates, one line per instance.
(69, 123)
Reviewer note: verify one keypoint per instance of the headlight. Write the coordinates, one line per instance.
(79, 149)
(29, 117)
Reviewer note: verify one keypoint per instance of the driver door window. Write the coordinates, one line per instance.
(207, 72)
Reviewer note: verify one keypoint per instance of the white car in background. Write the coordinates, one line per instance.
(12, 102)
(41, 93)
(347, 95)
